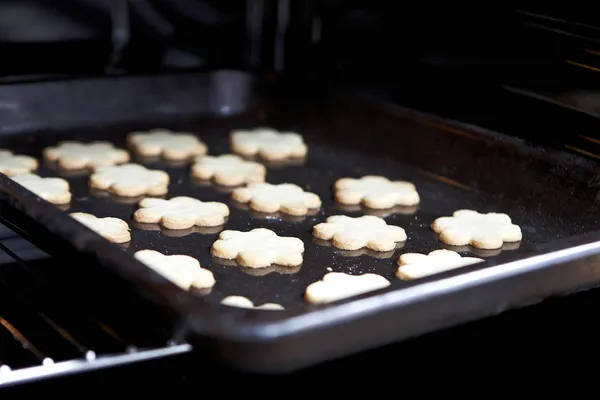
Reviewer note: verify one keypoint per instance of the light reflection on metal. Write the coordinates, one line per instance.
(589, 139)
(560, 31)
(554, 19)
(22, 339)
(49, 368)
(589, 67)
(585, 153)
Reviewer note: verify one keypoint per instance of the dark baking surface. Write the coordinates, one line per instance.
(324, 165)
(550, 195)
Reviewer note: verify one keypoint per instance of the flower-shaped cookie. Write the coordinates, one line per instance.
(163, 142)
(13, 164)
(415, 265)
(54, 190)
(375, 192)
(72, 155)
(228, 170)
(258, 248)
(268, 143)
(181, 212)
(130, 180)
(244, 302)
(184, 271)
(285, 197)
(336, 286)
(484, 231)
(368, 231)
(112, 229)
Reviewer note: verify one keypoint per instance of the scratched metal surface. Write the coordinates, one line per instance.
(446, 181)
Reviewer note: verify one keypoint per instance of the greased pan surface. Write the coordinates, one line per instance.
(453, 167)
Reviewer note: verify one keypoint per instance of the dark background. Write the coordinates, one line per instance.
(541, 48)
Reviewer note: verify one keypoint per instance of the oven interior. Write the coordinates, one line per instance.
(536, 79)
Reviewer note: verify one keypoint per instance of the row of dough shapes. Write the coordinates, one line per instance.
(175, 146)
(261, 248)
(464, 227)
(376, 194)
(266, 143)
(228, 169)
(73, 155)
(125, 180)
(333, 287)
(336, 286)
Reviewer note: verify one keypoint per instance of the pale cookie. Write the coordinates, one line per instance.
(368, 231)
(228, 170)
(268, 143)
(72, 155)
(14, 164)
(285, 197)
(167, 144)
(112, 229)
(54, 190)
(484, 231)
(243, 302)
(336, 286)
(130, 180)
(181, 212)
(375, 192)
(415, 265)
(258, 248)
(184, 271)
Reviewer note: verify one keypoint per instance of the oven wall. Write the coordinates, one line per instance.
(538, 48)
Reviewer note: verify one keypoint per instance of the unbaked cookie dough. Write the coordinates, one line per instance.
(53, 190)
(415, 265)
(375, 192)
(181, 212)
(483, 231)
(258, 248)
(15, 164)
(228, 170)
(244, 302)
(336, 286)
(73, 155)
(173, 146)
(112, 229)
(368, 231)
(182, 270)
(268, 144)
(285, 197)
(130, 180)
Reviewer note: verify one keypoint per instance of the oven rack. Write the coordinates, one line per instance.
(43, 334)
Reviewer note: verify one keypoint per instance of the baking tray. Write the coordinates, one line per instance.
(551, 195)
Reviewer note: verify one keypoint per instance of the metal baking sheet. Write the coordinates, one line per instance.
(551, 195)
